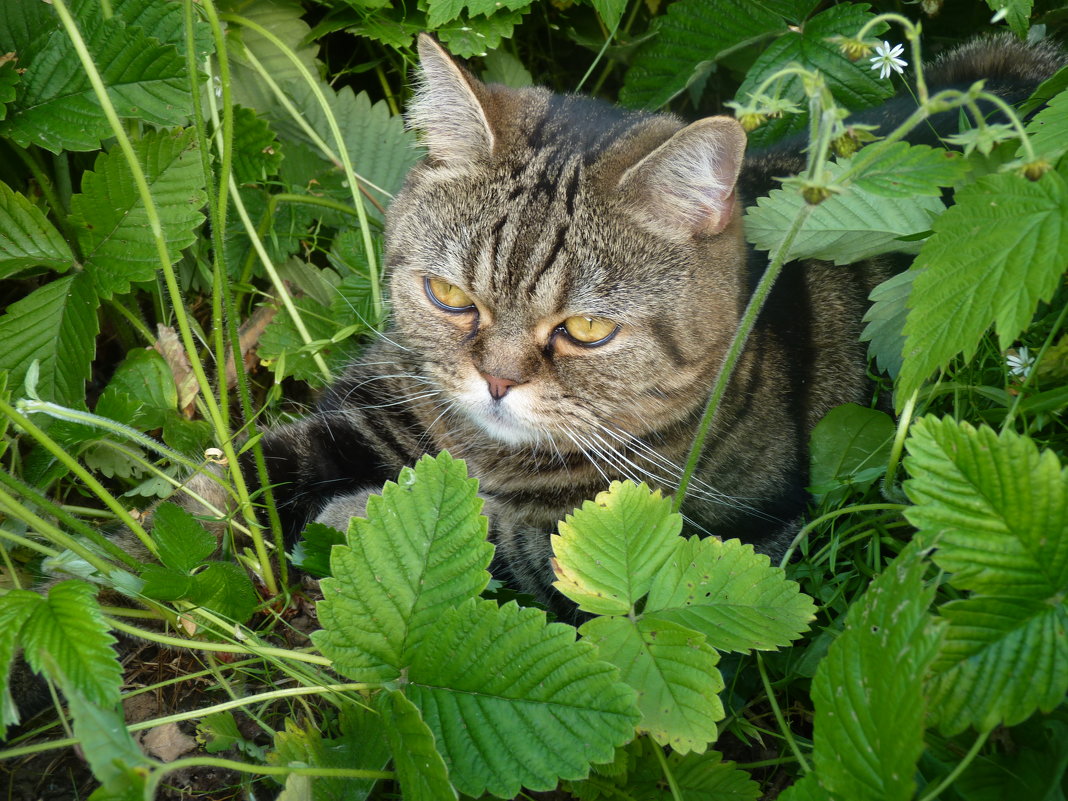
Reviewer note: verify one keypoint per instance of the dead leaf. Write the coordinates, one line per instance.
(167, 742)
(170, 347)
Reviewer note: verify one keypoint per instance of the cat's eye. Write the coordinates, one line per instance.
(448, 296)
(590, 330)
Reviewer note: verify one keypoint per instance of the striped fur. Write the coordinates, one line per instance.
(541, 207)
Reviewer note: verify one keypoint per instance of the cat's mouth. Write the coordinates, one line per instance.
(507, 420)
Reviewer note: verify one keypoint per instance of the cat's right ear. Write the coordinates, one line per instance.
(447, 110)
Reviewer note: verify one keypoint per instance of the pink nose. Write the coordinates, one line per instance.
(498, 387)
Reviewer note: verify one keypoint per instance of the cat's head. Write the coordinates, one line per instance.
(559, 265)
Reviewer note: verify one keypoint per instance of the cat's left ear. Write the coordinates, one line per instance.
(686, 186)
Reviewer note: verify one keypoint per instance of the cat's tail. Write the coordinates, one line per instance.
(1010, 68)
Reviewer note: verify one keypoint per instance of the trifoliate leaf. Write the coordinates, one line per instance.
(846, 227)
(16, 607)
(674, 671)
(997, 507)
(57, 107)
(692, 36)
(182, 539)
(850, 449)
(27, 238)
(111, 222)
(1002, 659)
(868, 690)
(608, 551)
(421, 772)
(998, 251)
(55, 326)
(421, 550)
(886, 321)
(903, 170)
(67, 638)
(731, 595)
(514, 702)
(812, 46)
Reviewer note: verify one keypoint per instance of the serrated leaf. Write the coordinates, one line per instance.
(68, 634)
(1002, 659)
(868, 690)
(849, 446)
(903, 170)
(607, 552)
(1017, 14)
(106, 743)
(182, 539)
(474, 36)
(111, 223)
(27, 238)
(692, 36)
(282, 339)
(674, 671)
(998, 251)
(421, 550)
(9, 79)
(708, 776)
(1049, 128)
(312, 552)
(885, 320)
(844, 228)
(442, 11)
(165, 584)
(16, 607)
(145, 375)
(514, 702)
(57, 107)
(420, 770)
(811, 45)
(56, 326)
(997, 506)
(225, 589)
(257, 152)
(731, 595)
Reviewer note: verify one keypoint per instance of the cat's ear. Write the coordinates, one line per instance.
(447, 110)
(686, 186)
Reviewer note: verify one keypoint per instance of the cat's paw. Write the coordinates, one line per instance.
(337, 512)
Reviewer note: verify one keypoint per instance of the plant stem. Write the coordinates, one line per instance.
(665, 768)
(848, 510)
(960, 767)
(734, 352)
(899, 445)
(786, 733)
(269, 770)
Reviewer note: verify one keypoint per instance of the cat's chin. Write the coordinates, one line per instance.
(506, 429)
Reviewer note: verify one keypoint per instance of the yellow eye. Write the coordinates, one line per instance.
(590, 330)
(448, 296)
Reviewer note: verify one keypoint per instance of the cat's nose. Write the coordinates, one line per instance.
(498, 387)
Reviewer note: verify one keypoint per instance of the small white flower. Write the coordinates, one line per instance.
(886, 59)
(999, 15)
(215, 456)
(1020, 362)
(218, 86)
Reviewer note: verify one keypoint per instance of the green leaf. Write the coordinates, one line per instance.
(998, 251)
(57, 107)
(312, 552)
(692, 36)
(811, 45)
(708, 776)
(165, 584)
(514, 702)
(903, 170)
(282, 339)
(997, 507)
(144, 375)
(503, 67)
(257, 152)
(475, 36)
(847, 227)
(1034, 768)
(225, 589)
(850, 448)
(885, 320)
(9, 80)
(731, 595)
(611, 11)
(182, 539)
(1049, 128)
(16, 607)
(67, 639)
(56, 326)
(421, 551)
(674, 671)
(1002, 659)
(868, 690)
(420, 770)
(442, 11)
(608, 551)
(27, 238)
(112, 225)
(1017, 14)
(106, 743)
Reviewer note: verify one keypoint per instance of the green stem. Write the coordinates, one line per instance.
(59, 210)
(959, 769)
(899, 444)
(848, 510)
(177, 304)
(71, 464)
(268, 770)
(665, 768)
(734, 352)
(786, 733)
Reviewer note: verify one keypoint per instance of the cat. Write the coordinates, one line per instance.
(565, 279)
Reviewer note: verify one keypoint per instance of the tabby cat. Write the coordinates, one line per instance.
(565, 279)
